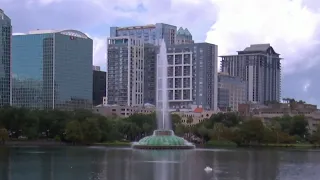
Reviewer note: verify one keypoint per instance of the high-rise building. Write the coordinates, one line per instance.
(184, 36)
(192, 75)
(99, 86)
(260, 66)
(52, 70)
(231, 92)
(125, 71)
(150, 63)
(151, 34)
(5, 59)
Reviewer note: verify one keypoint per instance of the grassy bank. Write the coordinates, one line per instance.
(16, 142)
(306, 145)
(221, 143)
(114, 144)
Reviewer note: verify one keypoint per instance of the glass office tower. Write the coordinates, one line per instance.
(5, 59)
(52, 70)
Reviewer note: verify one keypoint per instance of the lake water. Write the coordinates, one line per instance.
(97, 163)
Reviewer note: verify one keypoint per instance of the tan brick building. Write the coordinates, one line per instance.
(122, 111)
(198, 115)
(267, 112)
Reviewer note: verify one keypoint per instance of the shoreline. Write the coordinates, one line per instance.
(48, 143)
(40, 143)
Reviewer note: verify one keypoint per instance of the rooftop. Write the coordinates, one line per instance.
(68, 32)
(259, 48)
(255, 48)
(137, 27)
(185, 31)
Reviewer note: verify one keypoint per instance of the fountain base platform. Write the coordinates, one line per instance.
(163, 147)
(161, 140)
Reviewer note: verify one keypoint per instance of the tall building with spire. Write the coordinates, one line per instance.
(184, 36)
(132, 52)
(260, 66)
(5, 59)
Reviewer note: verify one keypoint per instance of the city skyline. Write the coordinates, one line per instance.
(296, 47)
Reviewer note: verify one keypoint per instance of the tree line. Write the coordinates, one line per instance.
(252, 130)
(86, 127)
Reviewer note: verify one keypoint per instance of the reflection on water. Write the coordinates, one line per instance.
(164, 165)
(76, 163)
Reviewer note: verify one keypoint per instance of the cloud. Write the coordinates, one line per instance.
(289, 25)
(96, 16)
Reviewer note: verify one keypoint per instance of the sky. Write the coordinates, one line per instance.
(292, 27)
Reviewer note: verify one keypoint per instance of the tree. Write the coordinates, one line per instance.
(253, 130)
(203, 131)
(299, 126)
(276, 127)
(236, 135)
(285, 123)
(90, 130)
(176, 120)
(4, 135)
(229, 119)
(189, 122)
(180, 129)
(30, 126)
(74, 132)
(146, 128)
(315, 137)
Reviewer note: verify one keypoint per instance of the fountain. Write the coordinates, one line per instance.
(163, 137)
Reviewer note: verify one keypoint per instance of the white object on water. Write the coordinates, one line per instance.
(208, 169)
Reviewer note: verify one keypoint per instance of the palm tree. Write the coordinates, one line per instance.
(218, 129)
(203, 131)
(276, 127)
(3, 135)
(189, 122)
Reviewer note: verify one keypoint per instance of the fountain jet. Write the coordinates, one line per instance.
(163, 118)
(164, 137)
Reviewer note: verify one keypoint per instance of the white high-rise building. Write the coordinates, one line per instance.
(192, 76)
(125, 71)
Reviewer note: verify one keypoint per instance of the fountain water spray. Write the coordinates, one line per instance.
(163, 118)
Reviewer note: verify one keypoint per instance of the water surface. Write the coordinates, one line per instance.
(84, 163)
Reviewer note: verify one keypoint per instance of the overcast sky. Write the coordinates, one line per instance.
(291, 26)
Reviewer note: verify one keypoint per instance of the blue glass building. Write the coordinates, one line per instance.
(52, 70)
(5, 59)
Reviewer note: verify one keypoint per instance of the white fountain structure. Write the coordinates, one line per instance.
(163, 137)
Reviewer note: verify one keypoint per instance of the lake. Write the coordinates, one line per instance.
(99, 163)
